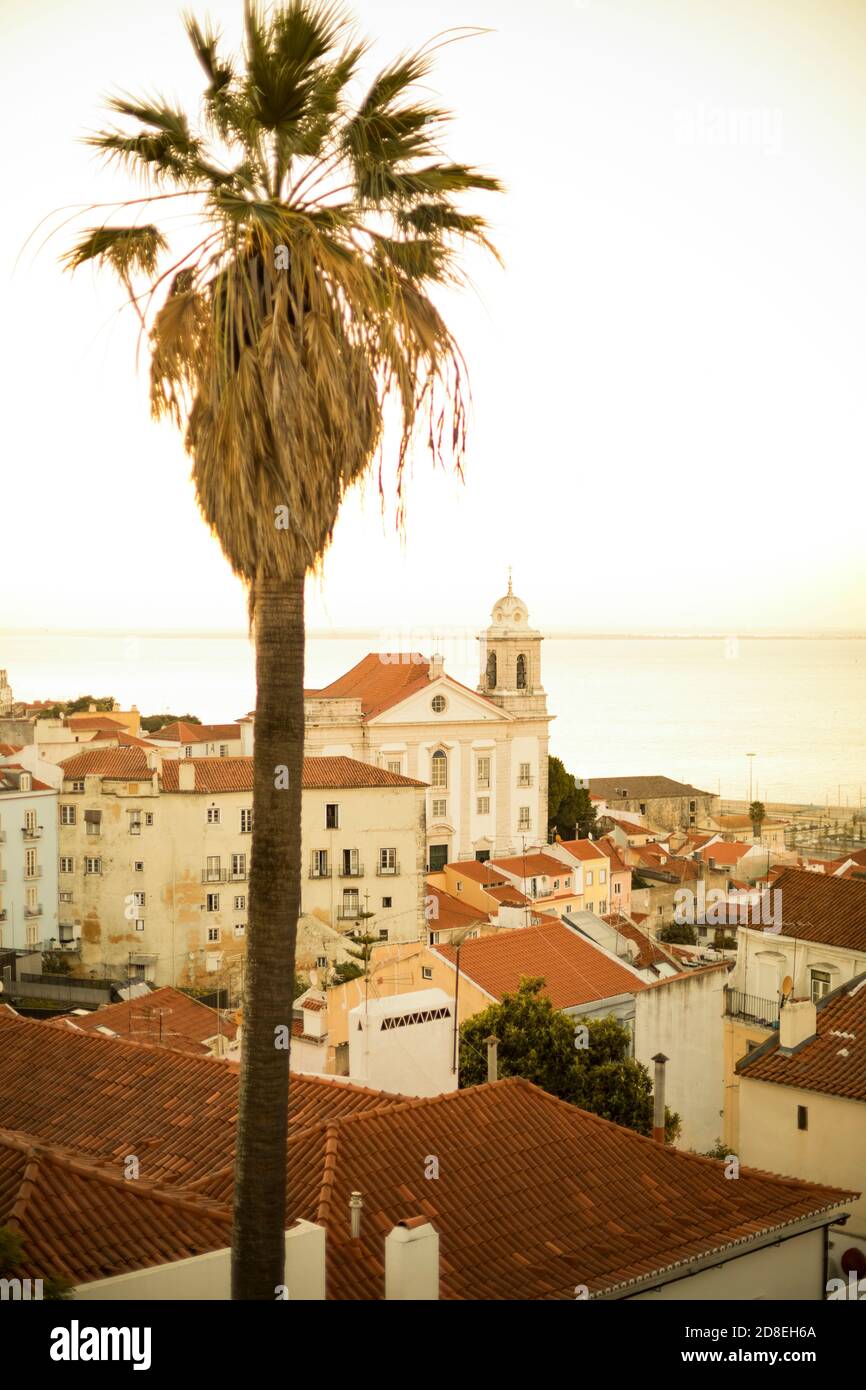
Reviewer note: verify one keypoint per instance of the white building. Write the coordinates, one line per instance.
(28, 859)
(404, 1044)
(483, 752)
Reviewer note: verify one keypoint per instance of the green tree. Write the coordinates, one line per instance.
(54, 1288)
(56, 963)
(151, 722)
(280, 333)
(345, 971)
(540, 1044)
(757, 815)
(570, 812)
(679, 934)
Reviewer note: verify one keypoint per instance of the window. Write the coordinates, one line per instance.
(383, 933)
(440, 807)
(224, 750)
(31, 868)
(602, 875)
(321, 962)
(213, 870)
(439, 769)
(67, 864)
(434, 938)
(438, 704)
(213, 933)
(139, 924)
(239, 866)
(93, 822)
(602, 907)
(617, 890)
(239, 929)
(67, 815)
(588, 878)
(802, 1117)
(521, 672)
(92, 866)
(386, 902)
(187, 752)
(213, 902)
(524, 775)
(642, 805)
(556, 883)
(351, 903)
(523, 818)
(483, 805)
(332, 816)
(820, 984)
(246, 821)
(491, 671)
(135, 822)
(213, 815)
(460, 885)
(64, 898)
(482, 772)
(387, 861)
(78, 786)
(395, 765)
(351, 863)
(319, 865)
(148, 817)
(139, 899)
(426, 972)
(138, 866)
(240, 902)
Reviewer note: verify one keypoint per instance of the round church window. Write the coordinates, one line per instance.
(438, 702)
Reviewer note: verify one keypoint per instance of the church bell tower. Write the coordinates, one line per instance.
(511, 659)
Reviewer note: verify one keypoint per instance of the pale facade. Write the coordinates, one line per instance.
(483, 752)
(28, 860)
(154, 861)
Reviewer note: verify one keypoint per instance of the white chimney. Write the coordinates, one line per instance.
(437, 668)
(186, 775)
(492, 1057)
(412, 1261)
(154, 760)
(305, 1262)
(659, 1098)
(798, 1023)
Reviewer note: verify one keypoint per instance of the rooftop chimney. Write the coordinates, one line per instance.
(659, 1098)
(186, 775)
(437, 668)
(154, 760)
(412, 1261)
(356, 1206)
(492, 1057)
(798, 1023)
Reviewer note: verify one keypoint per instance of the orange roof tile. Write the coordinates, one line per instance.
(180, 732)
(574, 970)
(534, 865)
(834, 1062)
(584, 849)
(451, 912)
(226, 774)
(166, 1017)
(821, 907)
(379, 681)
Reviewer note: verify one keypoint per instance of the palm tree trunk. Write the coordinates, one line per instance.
(258, 1249)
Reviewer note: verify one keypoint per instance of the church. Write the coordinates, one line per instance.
(483, 752)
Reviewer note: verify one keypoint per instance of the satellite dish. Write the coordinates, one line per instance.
(787, 987)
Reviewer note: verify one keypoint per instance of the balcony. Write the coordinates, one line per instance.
(320, 873)
(356, 872)
(751, 1008)
(34, 873)
(214, 875)
(387, 870)
(33, 911)
(239, 876)
(348, 914)
(31, 832)
(135, 827)
(525, 781)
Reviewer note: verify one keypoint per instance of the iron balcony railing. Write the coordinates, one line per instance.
(352, 871)
(320, 873)
(388, 870)
(214, 875)
(752, 1008)
(31, 832)
(35, 911)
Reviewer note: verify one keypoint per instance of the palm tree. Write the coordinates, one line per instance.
(279, 333)
(757, 814)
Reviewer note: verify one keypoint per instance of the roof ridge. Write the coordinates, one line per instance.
(329, 1171)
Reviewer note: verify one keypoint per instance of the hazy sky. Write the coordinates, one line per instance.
(669, 408)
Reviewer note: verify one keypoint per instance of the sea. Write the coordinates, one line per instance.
(688, 708)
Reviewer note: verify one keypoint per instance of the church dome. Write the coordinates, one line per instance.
(510, 611)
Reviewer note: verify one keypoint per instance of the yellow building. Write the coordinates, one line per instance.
(592, 870)
(155, 858)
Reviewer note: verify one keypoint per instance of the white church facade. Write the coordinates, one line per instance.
(483, 752)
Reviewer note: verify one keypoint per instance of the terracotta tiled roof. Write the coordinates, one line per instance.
(534, 865)
(648, 953)
(584, 849)
(8, 750)
(379, 681)
(616, 864)
(95, 722)
(574, 970)
(452, 912)
(166, 1017)
(226, 774)
(641, 788)
(724, 852)
(9, 784)
(508, 895)
(108, 1097)
(180, 732)
(821, 907)
(80, 1222)
(480, 871)
(629, 827)
(525, 1204)
(835, 1062)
